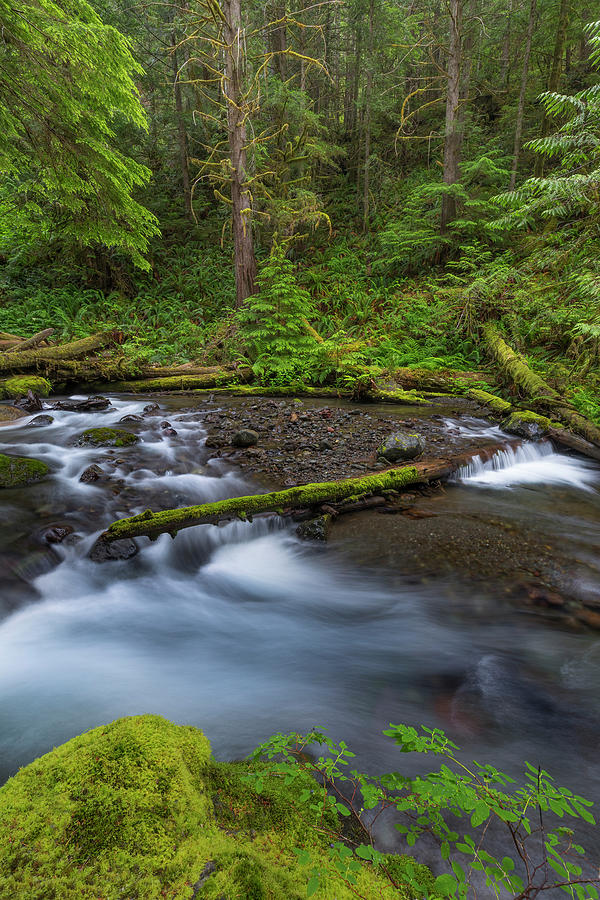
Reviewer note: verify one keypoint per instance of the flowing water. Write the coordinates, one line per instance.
(243, 630)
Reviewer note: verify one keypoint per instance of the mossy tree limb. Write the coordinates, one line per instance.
(538, 393)
(16, 361)
(170, 521)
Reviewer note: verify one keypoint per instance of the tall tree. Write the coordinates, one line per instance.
(66, 78)
(452, 131)
(522, 94)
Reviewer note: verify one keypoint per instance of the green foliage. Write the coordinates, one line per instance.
(273, 323)
(546, 857)
(67, 87)
(139, 808)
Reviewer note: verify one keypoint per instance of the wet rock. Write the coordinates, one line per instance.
(56, 534)
(527, 426)
(315, 529)
(91, 404)
(151, 409)
(245, 437)
(401, 445)
(325, 445)
(19, 385)
(42, 420)
(91, 474)
(30, 403)
(131, 419)
(9, 414)
(35, 564)
(17, 471)
(168, 429)
(105, 552)
(107, 437)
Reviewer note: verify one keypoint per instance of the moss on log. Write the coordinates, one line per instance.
(538, 393)
(170, 521)
(181, 382)
(15, 361)
(140, 808)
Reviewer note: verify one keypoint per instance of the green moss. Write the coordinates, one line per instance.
(496, 404)
(174, 383)
(18, 385)
(138, 808)
(108, 437)
(408, 398)
(16, 471)
(169, 520)
(526, 415)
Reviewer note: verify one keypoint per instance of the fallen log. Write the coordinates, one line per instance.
(512, 417)
(537, 392)
(16, 361)
(35, 339)
(182, 382)
(403, 398)
(7, 336)
(170, 521)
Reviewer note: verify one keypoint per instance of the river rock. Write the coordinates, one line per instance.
(30, 403)
(527, 426)
(151, 409)
(56, 534)
(315, 529)
(91, 404)
(17, 471)
(42, 420)
(107, 437)
(105, 552)
(401, 445)
(9, 414)
(245, 437)
(131, 419)
(91, 474)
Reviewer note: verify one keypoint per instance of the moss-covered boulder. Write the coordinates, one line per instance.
(16, 471)
(527, 425)
(18, 385)
(400, 446)
(108, 437)
(139, 809)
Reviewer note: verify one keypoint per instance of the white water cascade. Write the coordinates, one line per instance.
(528, 464)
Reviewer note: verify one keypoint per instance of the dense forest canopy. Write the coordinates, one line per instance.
(416, 169)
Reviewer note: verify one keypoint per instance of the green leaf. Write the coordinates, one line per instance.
(445, 885)
(313, 885)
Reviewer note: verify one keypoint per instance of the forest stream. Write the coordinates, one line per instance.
(244, 630)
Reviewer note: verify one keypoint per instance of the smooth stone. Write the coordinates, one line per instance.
(91, 474)
(245, 437)
(92, 404)
(10, 413)
(42, 420)
(105, 552)
(401, 445)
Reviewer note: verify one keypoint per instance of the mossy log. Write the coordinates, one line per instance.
(16, 361)
(537, 392)
(506, 413)
(170, 521)
(182, 382)
(403, 398)
(35, 339)
(444, 381)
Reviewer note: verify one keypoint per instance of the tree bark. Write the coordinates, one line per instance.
(505, 59)
(367, 120)
(555, 72)
(182, 141)
(453, 135)
(522, 94)
(241, 197)
(15, 361)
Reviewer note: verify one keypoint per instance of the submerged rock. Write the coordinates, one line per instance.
(245, 437)
(42, 420)
(17, 471)
(19, 385)
(102, 551)
(139, 808)
(56, 534)
(107, 437)
(91, 404)
(10, 414)
(91, 474)
(131, 419)
(401, 445)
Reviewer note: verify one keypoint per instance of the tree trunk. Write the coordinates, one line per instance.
(554, 79)
(367, 132)
(505, 59)
(241, 197)
(181, 132)
(453, 135)
(522, 93)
